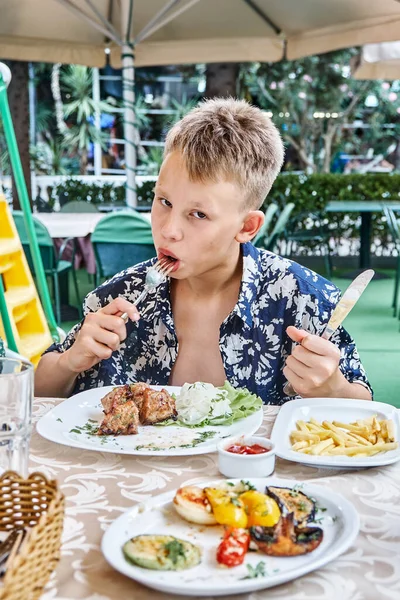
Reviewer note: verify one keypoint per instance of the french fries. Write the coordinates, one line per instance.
(365, 437)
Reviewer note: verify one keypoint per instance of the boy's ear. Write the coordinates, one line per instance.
(251, 226)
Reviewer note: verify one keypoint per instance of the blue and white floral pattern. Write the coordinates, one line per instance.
(274, 293)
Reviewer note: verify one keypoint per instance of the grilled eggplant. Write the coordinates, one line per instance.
(292, 500)
(286, 539)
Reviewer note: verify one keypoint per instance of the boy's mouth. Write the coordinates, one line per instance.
(169, 258)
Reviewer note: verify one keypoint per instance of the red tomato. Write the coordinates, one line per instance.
(233, 548)
(241, 449)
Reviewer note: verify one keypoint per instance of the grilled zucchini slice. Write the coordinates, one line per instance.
(161, 552)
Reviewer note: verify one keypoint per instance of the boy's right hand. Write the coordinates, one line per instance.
(100, 335)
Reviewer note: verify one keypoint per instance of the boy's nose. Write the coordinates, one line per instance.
(171, 229)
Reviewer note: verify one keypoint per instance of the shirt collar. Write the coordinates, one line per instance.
(250, 283)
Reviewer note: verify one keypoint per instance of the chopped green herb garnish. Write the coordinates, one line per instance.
(60, 420)
(248, 485)
(174, 550)
(258, 571)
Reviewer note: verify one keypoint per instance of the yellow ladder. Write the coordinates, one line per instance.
(23, 319)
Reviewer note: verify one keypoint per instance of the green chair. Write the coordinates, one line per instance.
(279, 228)
(315, 235)
(262, 235)
(394, 229)
(78, 206)
(53, 263)
(121, 240)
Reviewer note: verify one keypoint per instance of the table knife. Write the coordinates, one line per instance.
(344, 306)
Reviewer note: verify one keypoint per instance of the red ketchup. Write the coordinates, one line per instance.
(242, 449)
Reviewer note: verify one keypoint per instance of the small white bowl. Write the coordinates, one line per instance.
(246, 465)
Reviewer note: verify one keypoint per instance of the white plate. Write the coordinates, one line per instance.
(77, 411)
(332, 409)
(340, 523)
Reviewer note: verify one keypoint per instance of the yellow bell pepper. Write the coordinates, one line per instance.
(260, 508)
(227, 510)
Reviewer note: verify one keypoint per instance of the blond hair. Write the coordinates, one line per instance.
(231, 140)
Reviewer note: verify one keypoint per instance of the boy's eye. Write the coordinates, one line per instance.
(199, 215)
(165, 202)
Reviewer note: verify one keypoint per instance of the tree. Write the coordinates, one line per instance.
(313, 99)
(18, 98)
(79, 112)
(221, 79)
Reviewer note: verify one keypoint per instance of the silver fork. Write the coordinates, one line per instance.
(155, 275)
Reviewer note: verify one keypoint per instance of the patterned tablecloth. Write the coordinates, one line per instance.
(100, 486)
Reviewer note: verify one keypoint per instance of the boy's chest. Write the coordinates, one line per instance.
(198, 331)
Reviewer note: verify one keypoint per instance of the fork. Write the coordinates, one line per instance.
(155, 275)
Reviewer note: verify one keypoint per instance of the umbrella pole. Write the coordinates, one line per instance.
(128, 90)
(5, 78)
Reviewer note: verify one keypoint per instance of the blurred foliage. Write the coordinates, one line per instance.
(79, 110)
(74, 189)
(311, 193)
(297, 91)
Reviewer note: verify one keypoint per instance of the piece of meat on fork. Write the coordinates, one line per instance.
(157, 406)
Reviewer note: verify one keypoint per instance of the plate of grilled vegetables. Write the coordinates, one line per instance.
(148, 419)
(231, 536)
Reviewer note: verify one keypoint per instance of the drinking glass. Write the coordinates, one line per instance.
(16, 395)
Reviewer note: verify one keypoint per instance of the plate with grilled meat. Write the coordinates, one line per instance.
(152, 420)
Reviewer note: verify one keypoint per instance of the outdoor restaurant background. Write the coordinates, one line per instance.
(341, 136)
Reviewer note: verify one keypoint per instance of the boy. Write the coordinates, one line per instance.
(229, 310)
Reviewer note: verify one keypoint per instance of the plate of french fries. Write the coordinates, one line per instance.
(336, 432)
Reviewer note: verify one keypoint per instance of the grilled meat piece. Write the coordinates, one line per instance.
(117, 396)
(156, 407)
(138, 390)
(123, 419)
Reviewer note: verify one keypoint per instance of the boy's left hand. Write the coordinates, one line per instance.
(313, 367)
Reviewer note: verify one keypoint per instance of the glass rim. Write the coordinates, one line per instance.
(28, 366)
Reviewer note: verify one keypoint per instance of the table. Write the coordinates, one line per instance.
(100, 486)
(365, 209)
(63, 225)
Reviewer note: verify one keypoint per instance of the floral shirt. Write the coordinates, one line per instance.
(274, 293)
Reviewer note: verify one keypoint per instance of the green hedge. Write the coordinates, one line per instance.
(311, 193)
(108, 193)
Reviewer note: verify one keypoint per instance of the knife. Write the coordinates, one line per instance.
(343, 307)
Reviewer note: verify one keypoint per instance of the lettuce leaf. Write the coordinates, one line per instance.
(242, 402)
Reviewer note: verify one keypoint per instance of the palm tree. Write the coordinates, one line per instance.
(79, 112)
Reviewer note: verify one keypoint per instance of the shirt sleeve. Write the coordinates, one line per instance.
(350, 362)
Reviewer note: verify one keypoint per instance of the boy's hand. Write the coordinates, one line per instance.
(313, 367)
(101, 334)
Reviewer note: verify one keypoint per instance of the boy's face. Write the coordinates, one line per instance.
(198, 224)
